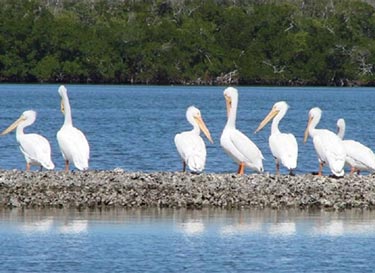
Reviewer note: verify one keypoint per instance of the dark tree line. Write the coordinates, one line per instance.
(290, 42)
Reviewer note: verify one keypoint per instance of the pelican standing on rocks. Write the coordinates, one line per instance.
(284, 147)
(328, 145)
(358, 156)
(35, 148)
(72, 142)
(238, 146)
(190, 145)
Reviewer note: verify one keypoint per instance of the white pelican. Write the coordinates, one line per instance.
(190, 145)
(327, 144)
(35, 148)
(358, 156)
(73, 143)
(235, 143)
(283, 146)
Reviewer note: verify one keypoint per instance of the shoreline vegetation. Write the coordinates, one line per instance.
(120, 189)
(188, 42)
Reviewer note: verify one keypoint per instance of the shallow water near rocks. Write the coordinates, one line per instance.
(166, 240)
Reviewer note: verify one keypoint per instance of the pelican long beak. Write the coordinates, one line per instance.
(228, 101)
(13, 125)
(62, 107)
(203, 127)
(270, 116)
(307, 130)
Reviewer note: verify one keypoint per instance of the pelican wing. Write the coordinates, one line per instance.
(36, 150)
(251, 154)
(284, 147)
(192, 150)
(74, 146)
(330, 150)
(359, 156)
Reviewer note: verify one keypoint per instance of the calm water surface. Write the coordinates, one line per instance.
(133, 127)
(186, 241)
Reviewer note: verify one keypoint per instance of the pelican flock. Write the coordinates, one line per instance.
(330, 148)
(190, 145)
(328, 145)
(72, 142)
(35, 148)
(237, 145)
(284, 147)
(358, 156)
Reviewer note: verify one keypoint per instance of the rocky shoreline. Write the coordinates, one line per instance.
(105, 189)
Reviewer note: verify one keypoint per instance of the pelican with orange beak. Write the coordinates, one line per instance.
(328, 145)
(72, 142)
(190, 145)
(284, 147)
(237, 145)
(35, 148)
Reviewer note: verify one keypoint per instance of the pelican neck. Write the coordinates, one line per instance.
(313, 124)
(275, 122)
(19, 130)
(231, 122)
(341, 132)
(22, 126)
(196, 129)
(67, 110)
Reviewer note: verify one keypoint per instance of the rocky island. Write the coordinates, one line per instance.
(117, 188)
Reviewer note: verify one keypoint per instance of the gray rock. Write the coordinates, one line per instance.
(118, 188)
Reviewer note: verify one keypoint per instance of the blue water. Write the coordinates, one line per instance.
(186, 241)
(133, 127)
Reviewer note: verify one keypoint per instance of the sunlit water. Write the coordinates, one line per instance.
(133, 127)
(186, 241)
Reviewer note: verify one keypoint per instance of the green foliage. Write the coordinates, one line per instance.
(286, 42)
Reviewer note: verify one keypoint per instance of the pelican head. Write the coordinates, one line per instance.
(28, 116)
(278, 107)
(63, 93)
(314, 117)
(62, 90)
(230, 94)
(193, 115)
(340, 128)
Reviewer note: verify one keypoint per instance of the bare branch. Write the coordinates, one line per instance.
(276, 69)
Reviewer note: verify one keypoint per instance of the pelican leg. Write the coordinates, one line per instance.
(183, 166)
(320, 168)
(67, 165)
(358, 172)
(277, 167)
(41, 168)
(27, 166)
(241, 168)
